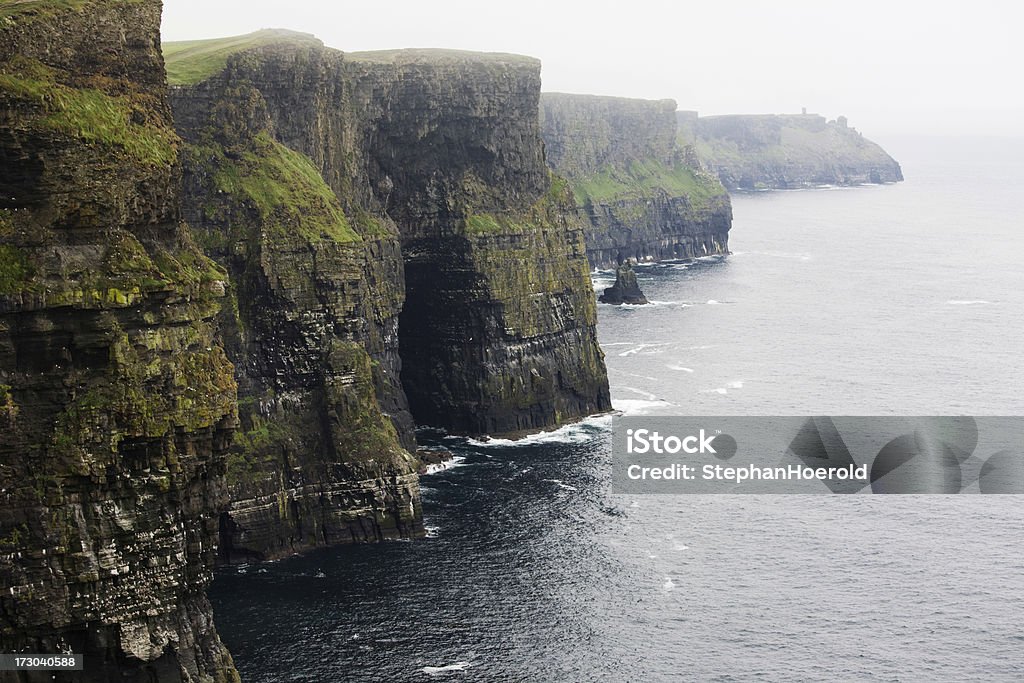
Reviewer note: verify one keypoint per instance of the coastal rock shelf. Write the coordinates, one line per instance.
(640, 194)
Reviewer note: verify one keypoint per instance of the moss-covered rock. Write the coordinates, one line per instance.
(317, 460)
(116, 403)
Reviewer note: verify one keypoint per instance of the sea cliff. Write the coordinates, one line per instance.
(323, 453)
(117, 403)
(750, 152)
(641, 195)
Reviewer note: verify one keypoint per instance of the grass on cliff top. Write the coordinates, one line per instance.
(192, 61)
(439, 55)
(286, 189)
(90, 114)
(644, 177)
(12, 11)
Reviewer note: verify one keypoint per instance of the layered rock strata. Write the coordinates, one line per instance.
(498, 331)
(641, 194)
(316, 286)
(117, 404)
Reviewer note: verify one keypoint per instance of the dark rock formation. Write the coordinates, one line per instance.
(498, 331)
(117, 405)
(317, 285)
(751, 152)
(641, 195)
(626, 289)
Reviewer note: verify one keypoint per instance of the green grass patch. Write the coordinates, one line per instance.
(643, 178)
(193, 61)
(13, 11)
(15, 270)
(286, 189)
(89, 114)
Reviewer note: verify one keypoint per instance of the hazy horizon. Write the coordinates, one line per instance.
(890, 69)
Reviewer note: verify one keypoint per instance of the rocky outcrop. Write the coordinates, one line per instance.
(626, 289)
(317, 284)
(117, 405)
(750, 152)
(641, 195)
(498, 331)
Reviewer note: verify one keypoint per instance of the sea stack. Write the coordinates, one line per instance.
(626, 289)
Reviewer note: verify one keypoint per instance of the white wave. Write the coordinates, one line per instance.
(577, 432)
(642, 348)
(968, 302)
(652, 557)
(634, 504)
(452, 462)
(447, 668)
(669, 584)
(646, 394)
(738, 384)
(680, 368)
(561, 484)
(682, 547)
(632, 406)
(432, 531)
(713, 302)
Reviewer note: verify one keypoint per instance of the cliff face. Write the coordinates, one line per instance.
(338, 191)
(498, 331)
(117, 405)
(641, 196)
(317, 285)
(786, 151)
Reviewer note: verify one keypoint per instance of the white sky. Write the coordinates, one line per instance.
(891, 66)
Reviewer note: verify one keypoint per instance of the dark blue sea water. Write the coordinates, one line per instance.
(902, 299)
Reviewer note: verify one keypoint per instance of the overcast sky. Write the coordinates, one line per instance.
(890, 66)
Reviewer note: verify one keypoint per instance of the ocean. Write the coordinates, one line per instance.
(903, 299)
